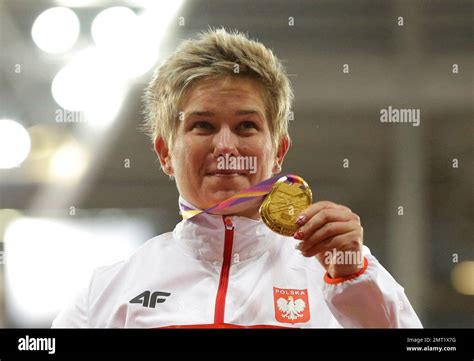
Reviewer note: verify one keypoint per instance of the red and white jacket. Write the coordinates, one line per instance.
(224, 271)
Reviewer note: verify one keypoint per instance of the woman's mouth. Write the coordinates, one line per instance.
(227, 173)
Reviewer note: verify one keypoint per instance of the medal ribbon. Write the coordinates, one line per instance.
(250, 194)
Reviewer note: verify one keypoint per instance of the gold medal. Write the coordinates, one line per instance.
(289, 196)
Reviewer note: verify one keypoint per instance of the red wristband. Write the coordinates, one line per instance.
(334, 281)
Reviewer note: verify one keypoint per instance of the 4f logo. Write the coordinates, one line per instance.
(146, 300)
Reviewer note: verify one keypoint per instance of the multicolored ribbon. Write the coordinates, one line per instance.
(253, 193)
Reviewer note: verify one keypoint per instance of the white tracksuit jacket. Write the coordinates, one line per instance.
(220, 271)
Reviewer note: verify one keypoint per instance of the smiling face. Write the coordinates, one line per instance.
(224, 120)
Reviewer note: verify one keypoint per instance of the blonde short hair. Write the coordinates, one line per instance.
(216, 52)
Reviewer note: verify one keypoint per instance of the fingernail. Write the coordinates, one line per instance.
(299, 245)
(298, 235)
(301, 220)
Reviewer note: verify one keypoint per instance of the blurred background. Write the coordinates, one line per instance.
(81, 187)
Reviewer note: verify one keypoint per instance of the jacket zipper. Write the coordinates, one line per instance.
(224, 278)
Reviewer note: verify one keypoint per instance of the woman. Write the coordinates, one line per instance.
(217, 100)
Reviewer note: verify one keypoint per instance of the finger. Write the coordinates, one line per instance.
(324, 216)
(350, 240)
(310, 211)
(328, 230)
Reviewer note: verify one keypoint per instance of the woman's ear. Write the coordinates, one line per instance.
(162, 150)
(281, 153)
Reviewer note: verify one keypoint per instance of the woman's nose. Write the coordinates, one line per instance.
(225, 142)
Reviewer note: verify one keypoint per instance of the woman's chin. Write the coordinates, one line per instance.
(229, 184)
(218, 189)
(221, 195)
(212, 198)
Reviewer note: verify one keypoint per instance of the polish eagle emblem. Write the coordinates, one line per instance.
(291, 305)
(290, 308)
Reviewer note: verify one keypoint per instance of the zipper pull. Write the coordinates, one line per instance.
(228, 223)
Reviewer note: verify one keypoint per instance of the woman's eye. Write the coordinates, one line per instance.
(203, 125)
(247, 125)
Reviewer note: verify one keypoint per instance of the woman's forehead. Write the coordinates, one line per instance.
(211, 92)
